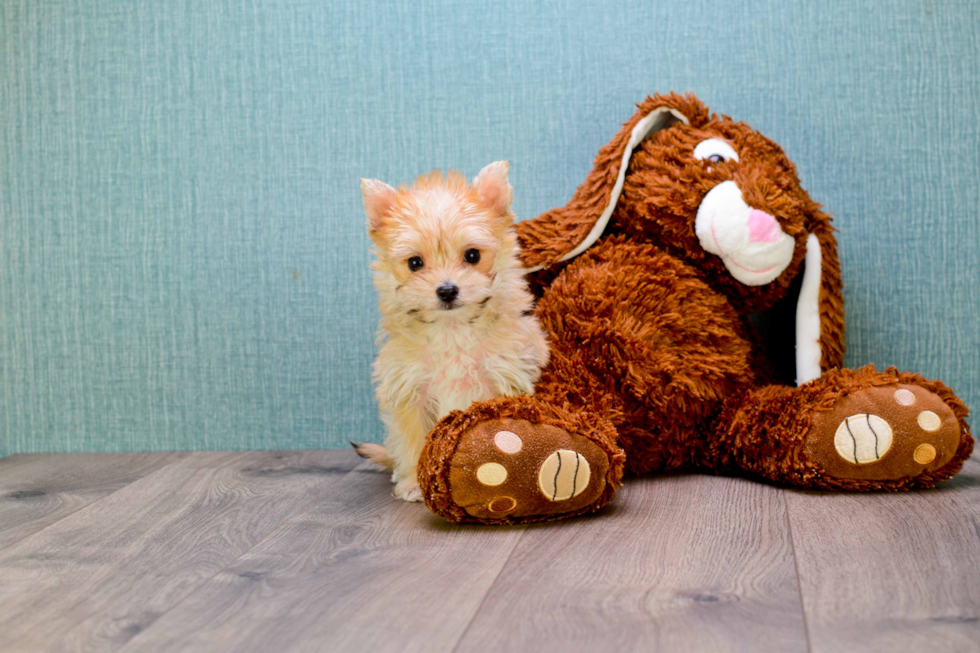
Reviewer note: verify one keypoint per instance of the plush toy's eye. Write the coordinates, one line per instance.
(715, 150)
(415, 263)
(472, 256)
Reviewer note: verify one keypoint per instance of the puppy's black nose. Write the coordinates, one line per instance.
(447, 293)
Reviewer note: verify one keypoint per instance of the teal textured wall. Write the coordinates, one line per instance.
(183, 262)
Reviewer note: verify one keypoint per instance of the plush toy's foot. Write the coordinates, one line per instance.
(849, 430)
(884, 433)
(513, 468)
(515, 460)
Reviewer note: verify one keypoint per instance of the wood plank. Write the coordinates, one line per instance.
(887, 572)
(680, 563)
(101, 575)
(358, 571)
(36, 490)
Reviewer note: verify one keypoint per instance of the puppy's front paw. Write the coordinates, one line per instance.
(408, 491)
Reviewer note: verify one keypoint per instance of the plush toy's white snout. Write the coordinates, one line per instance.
(750, 242)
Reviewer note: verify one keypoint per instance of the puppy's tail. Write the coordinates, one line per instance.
(376, 453)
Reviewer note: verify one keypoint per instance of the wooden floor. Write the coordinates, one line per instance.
(307, 551)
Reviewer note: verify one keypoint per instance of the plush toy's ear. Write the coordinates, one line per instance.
(820, 307)
(565, 232)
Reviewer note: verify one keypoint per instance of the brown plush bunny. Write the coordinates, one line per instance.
(689, 223)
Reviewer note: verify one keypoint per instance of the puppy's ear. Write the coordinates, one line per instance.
(378, 198)
(493, 189)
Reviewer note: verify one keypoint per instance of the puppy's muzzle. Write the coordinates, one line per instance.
(447, 293)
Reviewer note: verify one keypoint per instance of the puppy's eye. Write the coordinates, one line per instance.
(472, 256)
(715, 150)
(415, 263)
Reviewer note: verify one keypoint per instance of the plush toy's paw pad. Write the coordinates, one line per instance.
(863, 438)
(884, 433)
(507, 468)
(564, 475)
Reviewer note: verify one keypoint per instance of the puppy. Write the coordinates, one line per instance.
(456, 324)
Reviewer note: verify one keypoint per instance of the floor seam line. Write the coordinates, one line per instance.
(87, 505)
(796, 569)
(237, 558)
(483, 600)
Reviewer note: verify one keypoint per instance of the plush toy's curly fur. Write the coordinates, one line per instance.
(652, 344)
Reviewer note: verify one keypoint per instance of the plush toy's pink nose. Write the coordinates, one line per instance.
(763, 228)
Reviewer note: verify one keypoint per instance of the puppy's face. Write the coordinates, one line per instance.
(441, 242)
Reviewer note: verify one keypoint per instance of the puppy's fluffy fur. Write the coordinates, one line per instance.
(455, 325)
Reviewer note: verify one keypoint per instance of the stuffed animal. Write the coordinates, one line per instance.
(689, 240)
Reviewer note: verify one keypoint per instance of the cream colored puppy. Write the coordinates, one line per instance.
(455, 309)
